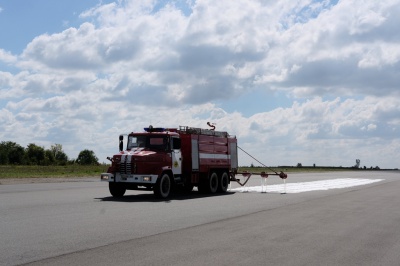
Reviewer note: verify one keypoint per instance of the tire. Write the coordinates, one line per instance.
(223, 183)
(209, 185)
(117, 190)
(162, 188)
(213, 183)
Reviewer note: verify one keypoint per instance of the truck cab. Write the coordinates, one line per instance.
(148, 156)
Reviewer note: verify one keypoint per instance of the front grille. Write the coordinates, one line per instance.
(126, 168)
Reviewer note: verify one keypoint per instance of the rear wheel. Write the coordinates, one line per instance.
(162, 188)
(117, 190)
(213, 183)
(223, 183)
(209, 185)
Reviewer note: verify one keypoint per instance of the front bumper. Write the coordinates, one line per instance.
(129, 178)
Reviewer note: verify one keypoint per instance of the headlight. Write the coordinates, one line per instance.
(147, 178)
(104, 177)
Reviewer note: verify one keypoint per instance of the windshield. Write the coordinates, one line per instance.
(150, 142)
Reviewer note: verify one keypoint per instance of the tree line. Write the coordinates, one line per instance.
(13, 153)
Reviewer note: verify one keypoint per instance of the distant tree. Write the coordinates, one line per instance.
(49, 158)
(62, 158)
(59, 155)
(87, 157)
(5, 147)
(3, 155)
(35, 154)
(11, 152)
(299, 165)
(17, 155)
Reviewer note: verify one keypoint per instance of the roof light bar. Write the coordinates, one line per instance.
(154, 129)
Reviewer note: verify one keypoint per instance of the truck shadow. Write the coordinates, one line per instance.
(149, 197)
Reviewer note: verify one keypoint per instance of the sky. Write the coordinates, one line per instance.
(302, 81)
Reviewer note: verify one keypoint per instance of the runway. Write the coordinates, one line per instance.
(77, 223)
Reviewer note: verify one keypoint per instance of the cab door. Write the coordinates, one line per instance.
(176, 156)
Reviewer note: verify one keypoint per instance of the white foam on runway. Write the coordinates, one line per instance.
(310, 186)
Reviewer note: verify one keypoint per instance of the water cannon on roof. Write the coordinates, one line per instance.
(212, 125)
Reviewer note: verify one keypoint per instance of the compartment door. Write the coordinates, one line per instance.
(195, 155)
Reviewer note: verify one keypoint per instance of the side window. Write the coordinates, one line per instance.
(176, 143)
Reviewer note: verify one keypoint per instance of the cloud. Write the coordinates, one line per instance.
(134, 63)
(251, 44)
(330, 55)
(7, 57)
(329, 130)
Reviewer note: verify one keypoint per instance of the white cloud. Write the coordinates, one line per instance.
(245, 46)
(7, 57)
(322, 131)
(134, 63)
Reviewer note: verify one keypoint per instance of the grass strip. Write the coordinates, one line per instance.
(41, 171)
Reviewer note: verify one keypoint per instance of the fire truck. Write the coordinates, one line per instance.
(168, 159)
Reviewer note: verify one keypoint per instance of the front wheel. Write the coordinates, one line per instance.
(162, 188)
(117, 190)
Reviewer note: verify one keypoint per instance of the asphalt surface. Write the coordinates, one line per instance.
(78, 223)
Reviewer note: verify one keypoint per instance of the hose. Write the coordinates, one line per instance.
(258, 160)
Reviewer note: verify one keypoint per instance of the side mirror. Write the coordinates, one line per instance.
(121, 143)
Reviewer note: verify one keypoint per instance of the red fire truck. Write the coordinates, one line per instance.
(164, 159)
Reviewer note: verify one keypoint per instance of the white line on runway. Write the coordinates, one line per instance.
(310, 186)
